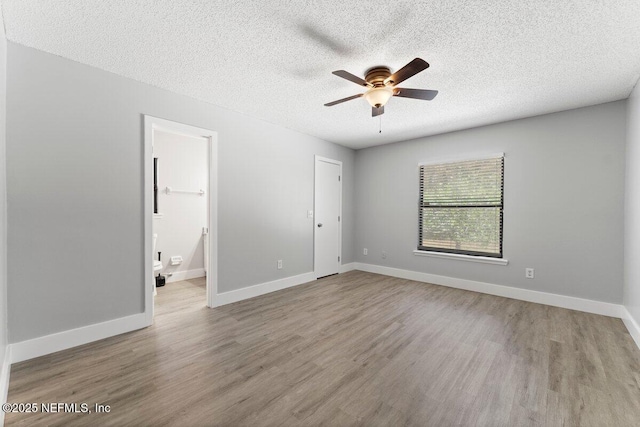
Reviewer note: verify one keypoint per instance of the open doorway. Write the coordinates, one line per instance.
(181, 213)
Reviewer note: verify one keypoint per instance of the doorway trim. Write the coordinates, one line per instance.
(315, 208)
(150, 125)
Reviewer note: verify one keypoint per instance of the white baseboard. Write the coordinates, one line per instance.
(29, 349)
(4, 380)
(556, 300)
(347, 267)
(185, 275)
(47, 344)
(262, 288)
(632, 325)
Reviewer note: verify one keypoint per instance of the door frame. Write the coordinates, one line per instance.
(315, 229)
(152, 124)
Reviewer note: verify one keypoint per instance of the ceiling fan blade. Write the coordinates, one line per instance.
(339, 101)
(347, 75)
(409, 70)
(427, 95)
(377, 111)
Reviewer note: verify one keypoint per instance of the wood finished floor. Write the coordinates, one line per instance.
(354, 349)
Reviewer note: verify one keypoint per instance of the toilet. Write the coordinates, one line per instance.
(157, 265)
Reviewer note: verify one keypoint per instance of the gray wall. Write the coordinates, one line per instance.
(563, 215)
(3, 196)
(74, 157)
(632, 208)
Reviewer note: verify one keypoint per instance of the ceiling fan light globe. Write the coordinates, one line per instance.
(378, 96)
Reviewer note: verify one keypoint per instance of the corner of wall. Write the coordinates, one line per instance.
(5, 373)
(631, 286)
(5, 353)
(632, 325)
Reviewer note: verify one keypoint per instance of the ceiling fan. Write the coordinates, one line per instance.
(381, 84)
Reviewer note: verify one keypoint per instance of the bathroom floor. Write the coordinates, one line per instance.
(179, 296)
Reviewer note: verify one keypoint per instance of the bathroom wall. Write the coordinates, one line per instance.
(75, 193)
(183, 164)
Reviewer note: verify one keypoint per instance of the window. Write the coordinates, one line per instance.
(461, 207)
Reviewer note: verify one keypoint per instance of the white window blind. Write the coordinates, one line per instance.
(461, 207)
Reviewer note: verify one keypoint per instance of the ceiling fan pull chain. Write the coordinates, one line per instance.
(380, 126)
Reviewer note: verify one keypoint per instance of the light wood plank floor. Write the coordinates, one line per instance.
(354, 349)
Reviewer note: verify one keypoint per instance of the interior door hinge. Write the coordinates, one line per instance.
(338, 177)
(338, 259)
(338, 219)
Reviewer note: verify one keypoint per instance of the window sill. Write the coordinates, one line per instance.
(480, 259)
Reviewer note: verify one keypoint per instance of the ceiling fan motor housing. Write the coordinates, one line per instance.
(377, 75)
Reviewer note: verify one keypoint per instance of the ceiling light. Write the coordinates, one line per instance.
(381, 85)
(378, 96)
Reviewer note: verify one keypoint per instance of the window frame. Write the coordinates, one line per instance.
(459, 253)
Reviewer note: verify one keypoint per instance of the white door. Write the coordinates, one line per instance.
(328, 189)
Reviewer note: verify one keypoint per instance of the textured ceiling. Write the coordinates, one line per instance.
(491, 60)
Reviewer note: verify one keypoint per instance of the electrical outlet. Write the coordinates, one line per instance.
(365, 251)
(279, 264)
(383, 255)
(529, 273)
(309, 214)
